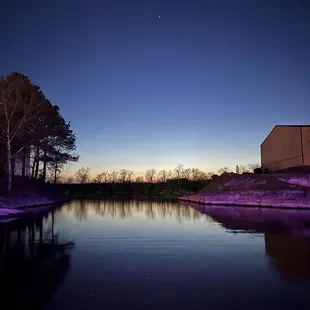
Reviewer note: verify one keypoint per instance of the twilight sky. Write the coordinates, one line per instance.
(202, 85)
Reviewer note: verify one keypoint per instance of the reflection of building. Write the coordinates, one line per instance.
(287, 146)
(286, 233)
(288, 254)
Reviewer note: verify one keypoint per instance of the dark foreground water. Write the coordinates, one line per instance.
(155, 255)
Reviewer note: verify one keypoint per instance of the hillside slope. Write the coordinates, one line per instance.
(273, 190)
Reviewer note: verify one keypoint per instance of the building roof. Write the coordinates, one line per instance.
(282, 126)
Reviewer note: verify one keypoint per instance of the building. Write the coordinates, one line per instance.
(287, 147)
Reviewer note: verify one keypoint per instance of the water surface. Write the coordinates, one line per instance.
(156, 255)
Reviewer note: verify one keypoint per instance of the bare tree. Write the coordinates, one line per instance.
(224, 169)
(162, 176)
(251, 167)
(178, 171)
(105, 176)
(54, 174)
(125, 176)
(243, 169)
(203, 176)
(82, 175)
(69, 180)
(100, 177)
(187, 173)
(198, 174)
(130, 176)
(113, 176)
(139, 179)
(122, 175)
(150, 175)
(170, 175)
(209, 175)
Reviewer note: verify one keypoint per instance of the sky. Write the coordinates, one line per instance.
(153, 84)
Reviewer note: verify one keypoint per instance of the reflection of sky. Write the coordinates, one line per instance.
(163, 217)
(156, 226)
(178, 258)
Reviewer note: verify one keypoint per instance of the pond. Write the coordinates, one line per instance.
(92, 254)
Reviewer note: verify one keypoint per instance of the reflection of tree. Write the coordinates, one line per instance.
(33, 263)
(123, 209)
(81, 210)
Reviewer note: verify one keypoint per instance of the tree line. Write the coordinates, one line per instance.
(32, 127)
(83, 176)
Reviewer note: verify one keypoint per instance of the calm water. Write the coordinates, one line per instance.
(156, 255)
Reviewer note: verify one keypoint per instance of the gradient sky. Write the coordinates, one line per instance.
(202, 85)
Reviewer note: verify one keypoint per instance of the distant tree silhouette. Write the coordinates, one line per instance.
(150, 175)
(139, 179)
(178, 171)
(243, 169)
(99, 178)
(82, 175)
(113, 176)
(224, 169)
(163, 176)
(198, 174)
(125, 176)
(252, 167)
(187, 173)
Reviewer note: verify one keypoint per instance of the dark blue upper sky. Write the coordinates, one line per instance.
(202, 85)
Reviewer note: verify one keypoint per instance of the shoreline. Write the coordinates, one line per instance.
(16, 211)
(225, 204)
(263, 191)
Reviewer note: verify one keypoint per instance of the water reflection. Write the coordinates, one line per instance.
(286, 234)
(34, 262)
(290, 255)
(156, 255)
(123, 209)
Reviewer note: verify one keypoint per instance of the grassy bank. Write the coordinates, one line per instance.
(28, 193)
(169, 189)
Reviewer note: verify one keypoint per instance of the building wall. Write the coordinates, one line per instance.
(306, 145)
(282, 149)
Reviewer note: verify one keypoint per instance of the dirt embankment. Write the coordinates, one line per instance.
(266, 190)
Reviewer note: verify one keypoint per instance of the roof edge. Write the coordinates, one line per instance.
(282, 126)
(274, 127)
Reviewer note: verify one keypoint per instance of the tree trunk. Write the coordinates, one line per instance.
(24, 162)
(13, 166)
(33, 165)
(37, 163)
(32, 168)
(55, 174)
(44, 166)
(9, 163)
